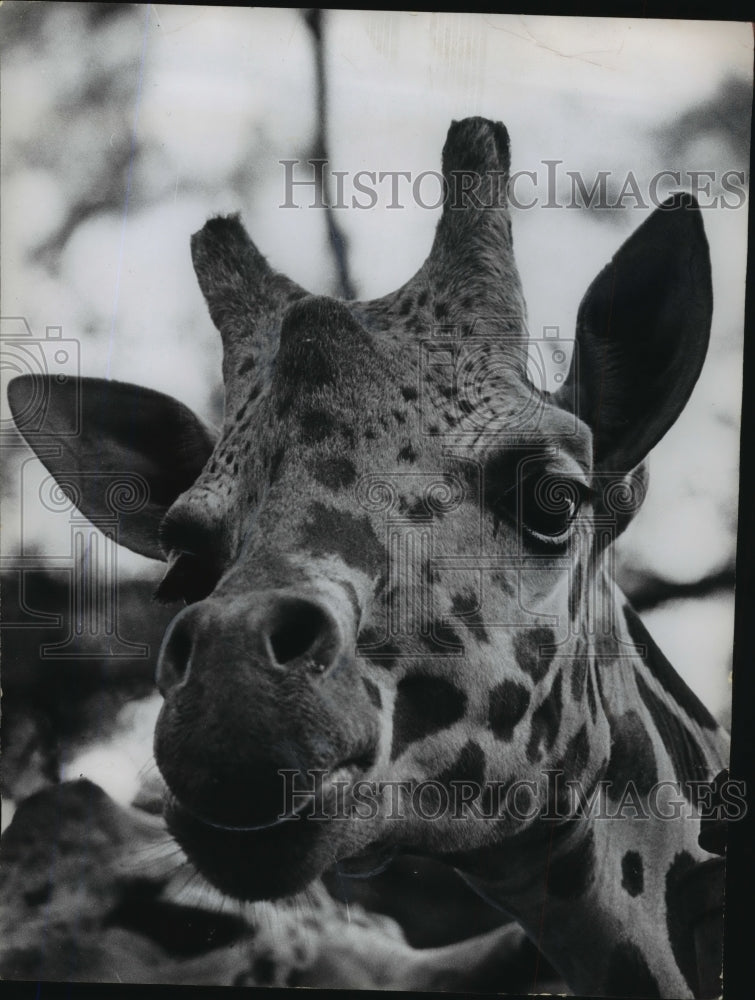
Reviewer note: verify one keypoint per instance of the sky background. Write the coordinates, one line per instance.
(124, 127)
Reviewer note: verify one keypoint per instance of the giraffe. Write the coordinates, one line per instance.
(395, 564)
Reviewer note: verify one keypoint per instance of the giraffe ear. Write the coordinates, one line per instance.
(642, 336)
(119, 450)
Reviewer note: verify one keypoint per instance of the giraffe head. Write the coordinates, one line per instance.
(386, 552)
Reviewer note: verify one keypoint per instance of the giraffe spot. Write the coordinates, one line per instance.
(383, 654)
(604, 645)
(465, 605)
(631, 757)
(628, 974)
(320, 342)
(502, 582)
(679, 926)
(246, 366)
(398, 416)
(665, 674)
(577, 752)
(406, 306)
(442, 637)
(527, 649)
(441, 310)
(433, 429)
(334, 473)
(373, 693)
(571, 765)
(409, 392)
(319, 425)
(263, 970)
(424, 705)
(465, 406)
(546, 721)
(333, 532)
(571, 874)
(578, 678)
(632, 873)
(469, 768)
(449, 391)
(415, 511)
(685, 752)
(299, 953)
(407, 454)
(575, 593)
(422, 298)
(591, 699)
(507, 705)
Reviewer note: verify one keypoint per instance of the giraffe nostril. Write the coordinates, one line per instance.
(299, 629)
(175, 655)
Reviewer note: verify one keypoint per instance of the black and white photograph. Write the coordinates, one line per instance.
(371, 403)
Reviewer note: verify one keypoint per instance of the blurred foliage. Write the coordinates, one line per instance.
(75, 65)
(51, 705)
(725, 119)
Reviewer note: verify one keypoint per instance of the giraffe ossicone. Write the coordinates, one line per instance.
(395, 556)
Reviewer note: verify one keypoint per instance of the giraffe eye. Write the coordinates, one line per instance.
(548, 505)
(188, 578)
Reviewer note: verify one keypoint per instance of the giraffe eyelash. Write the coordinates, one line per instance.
(549, 506)
(544, 505)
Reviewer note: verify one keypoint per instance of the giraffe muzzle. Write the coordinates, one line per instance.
(254, 688)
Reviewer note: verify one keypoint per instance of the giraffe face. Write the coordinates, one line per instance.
(348, 627)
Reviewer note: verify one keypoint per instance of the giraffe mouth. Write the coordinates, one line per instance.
(306, 802)
(274, 858)
(174, 804)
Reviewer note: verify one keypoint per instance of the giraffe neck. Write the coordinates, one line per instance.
(602, 894)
